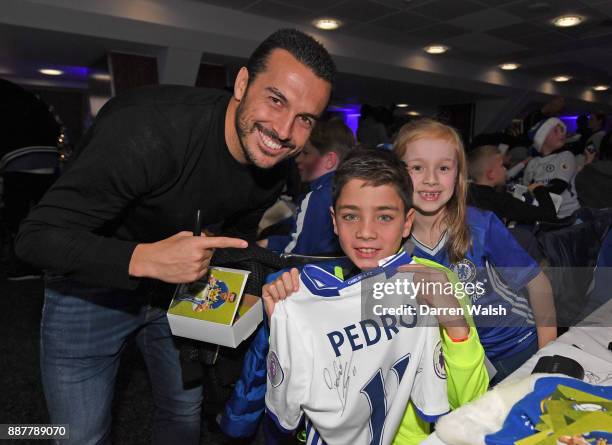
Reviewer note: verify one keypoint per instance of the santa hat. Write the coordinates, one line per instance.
(539, 131)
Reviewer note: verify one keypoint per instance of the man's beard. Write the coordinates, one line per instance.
(243, 130)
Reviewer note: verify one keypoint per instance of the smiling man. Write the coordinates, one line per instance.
(115, 229)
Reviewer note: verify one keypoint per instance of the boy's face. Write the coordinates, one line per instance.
(370, 222)
(554, 140)
(309, 163)
(497, 171)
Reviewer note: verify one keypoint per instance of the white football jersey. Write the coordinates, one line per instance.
(561, 165)
(352, 376)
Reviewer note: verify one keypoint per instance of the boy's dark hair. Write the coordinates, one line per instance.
(376, 167)
(301, 46)
(332, 135)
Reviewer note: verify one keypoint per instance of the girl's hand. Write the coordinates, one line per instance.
(455, 325)
(284, 286)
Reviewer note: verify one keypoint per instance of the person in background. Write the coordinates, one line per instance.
(515, 160)
(554, 167)
(371, 131)
(486, 168)
(597, 125)
(477, 246)
(582, 128)
(594, 181)
(312, 232)
(116, 230)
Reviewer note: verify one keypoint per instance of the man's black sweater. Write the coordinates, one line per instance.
(152, 158)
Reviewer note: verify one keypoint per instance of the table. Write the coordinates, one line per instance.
(586, 343)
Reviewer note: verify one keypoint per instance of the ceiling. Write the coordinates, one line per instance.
(484, 32)
(378, 48)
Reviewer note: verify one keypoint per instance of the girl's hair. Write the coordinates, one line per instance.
(456, 208)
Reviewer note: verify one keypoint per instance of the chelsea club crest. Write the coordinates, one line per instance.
(465, 270)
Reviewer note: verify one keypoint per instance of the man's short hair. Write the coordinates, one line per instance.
(479, 160)
(301, 46)
(333, 135)
(375, 167)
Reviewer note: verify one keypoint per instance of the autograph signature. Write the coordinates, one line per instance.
(339, 378)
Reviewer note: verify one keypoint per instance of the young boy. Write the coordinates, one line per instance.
(312, 232)
(358, 373)
(555, 168)
(486, 168)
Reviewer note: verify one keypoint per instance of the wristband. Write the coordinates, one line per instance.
(460, 339)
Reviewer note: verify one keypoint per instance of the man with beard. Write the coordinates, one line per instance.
(114, 231)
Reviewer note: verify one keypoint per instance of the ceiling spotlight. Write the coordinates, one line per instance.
(401, 105)
(327, 24)
(561, 78)
(601, 87)
(413, 113)
(436, 49)
(50, 72)
(102, 76)
(509, 66)
(566, 21)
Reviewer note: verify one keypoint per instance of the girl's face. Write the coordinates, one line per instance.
(432, 164)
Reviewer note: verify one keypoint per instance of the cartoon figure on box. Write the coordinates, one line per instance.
(215, 294)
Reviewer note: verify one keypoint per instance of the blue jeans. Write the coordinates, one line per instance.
(83, 333)
(508, 365)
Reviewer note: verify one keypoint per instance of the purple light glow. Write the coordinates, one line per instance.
(350, 115)
(570, 123)
(70, 70)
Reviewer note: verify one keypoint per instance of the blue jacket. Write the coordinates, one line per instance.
(245, 408)
(313, 231)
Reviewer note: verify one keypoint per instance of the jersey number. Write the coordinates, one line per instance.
(374, 391)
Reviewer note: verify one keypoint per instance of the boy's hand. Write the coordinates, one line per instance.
(456, 326)
(285, 285)
(535, 185)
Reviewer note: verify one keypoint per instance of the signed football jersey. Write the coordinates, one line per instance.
(352, 376)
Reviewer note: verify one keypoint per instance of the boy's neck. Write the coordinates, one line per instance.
(485, 182)
(546, 150)
(325, 173)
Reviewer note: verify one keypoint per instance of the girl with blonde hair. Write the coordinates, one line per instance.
(492, 267)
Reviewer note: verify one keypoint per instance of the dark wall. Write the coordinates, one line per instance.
(70, 105)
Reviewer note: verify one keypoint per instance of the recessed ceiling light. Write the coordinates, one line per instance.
(327, 24)
(601, 87)
(413, 113)
(436, 49)
(509, 66)
(102, 76)
(566, 21)
(50, 72)
(401, 105)
(561, 78)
